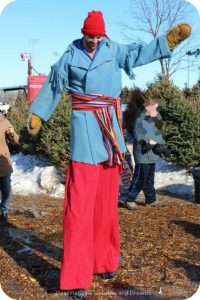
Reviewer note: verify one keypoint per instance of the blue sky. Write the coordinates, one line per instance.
(46, 27)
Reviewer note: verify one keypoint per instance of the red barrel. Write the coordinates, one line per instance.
(34, 85)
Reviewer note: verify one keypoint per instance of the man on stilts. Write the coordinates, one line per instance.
(90, 70)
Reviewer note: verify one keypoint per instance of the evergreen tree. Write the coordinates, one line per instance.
(134, 106)
(18, 113)
(53, 140)
(182, 123)
(125, 95)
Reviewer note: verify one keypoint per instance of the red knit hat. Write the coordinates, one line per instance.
(94, 24)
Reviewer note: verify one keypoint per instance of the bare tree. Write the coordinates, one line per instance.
(153, 18)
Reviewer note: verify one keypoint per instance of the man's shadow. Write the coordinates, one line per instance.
(189, 227)
(192, 269)
(21, 246)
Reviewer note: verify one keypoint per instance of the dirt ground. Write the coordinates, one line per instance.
(160, 251)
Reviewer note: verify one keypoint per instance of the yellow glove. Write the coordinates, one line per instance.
(178, 34)
(35, 124)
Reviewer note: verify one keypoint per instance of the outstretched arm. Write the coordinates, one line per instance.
(134, 55)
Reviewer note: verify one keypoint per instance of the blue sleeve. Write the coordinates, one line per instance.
(50, 94)
(134, 55)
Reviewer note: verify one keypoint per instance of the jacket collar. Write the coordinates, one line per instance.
(82, 60)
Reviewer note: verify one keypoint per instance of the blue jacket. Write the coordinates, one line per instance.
(77, 72)
(147, 128)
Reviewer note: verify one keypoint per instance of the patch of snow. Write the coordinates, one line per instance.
(174, 179)
(33, 175)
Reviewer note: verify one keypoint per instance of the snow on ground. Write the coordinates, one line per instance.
(34, 175)
(173, 179)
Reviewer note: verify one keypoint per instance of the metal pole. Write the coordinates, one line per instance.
(33, 42)
(188, 79)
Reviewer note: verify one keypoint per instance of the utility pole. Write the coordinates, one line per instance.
(194, 53)
(199, 75)
(188, 75)
(33, 42)
(28, 56)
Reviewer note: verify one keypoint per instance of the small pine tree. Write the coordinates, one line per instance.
(53, 139)
(181, 117)
(134, 106)
(18, 113)
(195, 93)
(125, 95)
(182, 123)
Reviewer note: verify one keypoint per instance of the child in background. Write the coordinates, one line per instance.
(148, 145)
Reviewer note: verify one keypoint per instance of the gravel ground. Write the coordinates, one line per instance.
(160, 251)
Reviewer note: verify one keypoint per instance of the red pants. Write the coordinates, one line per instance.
(90, 220)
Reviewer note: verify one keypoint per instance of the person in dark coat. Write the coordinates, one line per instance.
(7, 135)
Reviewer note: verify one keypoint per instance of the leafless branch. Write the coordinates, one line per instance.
(153, 17)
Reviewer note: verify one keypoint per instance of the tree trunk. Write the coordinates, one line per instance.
(163, 72)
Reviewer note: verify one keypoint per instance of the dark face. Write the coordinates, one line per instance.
(91, 42)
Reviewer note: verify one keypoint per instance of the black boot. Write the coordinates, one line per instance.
(108, 275)
(4, 216)
(78, 294)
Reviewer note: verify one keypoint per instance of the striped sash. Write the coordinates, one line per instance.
(100, 106)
